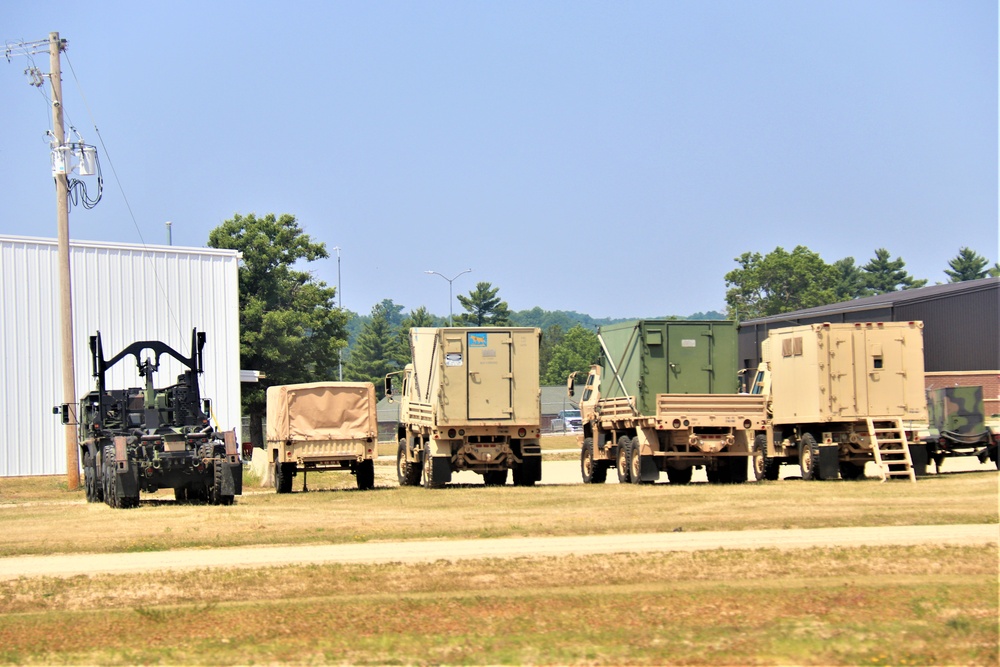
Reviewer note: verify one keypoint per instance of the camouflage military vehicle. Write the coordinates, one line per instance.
(470, 401)
(322, 426)
(146, 439)
(958, 427)
(664, 398)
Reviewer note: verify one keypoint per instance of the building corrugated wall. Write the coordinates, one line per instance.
(961, 321)
(129, 293)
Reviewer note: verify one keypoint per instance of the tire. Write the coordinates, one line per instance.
(407, 472)
(587, 463)
(217, 496)
(679, 475)
(283, 473)
(181, 494)
(715, 475)
(622, 460)
(91, 480)
(764, 467)
(111, 483)
(808, 456)
(528, 471)
(428, 473)
(635, 464)
(495, 477)
(364, 473)
(852, 471)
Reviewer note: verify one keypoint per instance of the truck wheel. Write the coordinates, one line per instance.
(216, 496)
(92, 481)
(365, 475)
(635, 464)
(407, 472)
(283, 473)
(764, 466)
(622, 459)
(428, 473)
(593, 472)
(679, 475)
(181, 494)
(808, 456)
(111, 496)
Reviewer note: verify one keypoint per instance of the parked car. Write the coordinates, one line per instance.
(568, 421)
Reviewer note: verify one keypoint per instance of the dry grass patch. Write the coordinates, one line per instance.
(905, 605)
(56, 521)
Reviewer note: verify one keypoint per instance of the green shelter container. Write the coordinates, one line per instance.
(669, 357)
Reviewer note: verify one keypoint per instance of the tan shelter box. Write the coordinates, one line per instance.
(321, 411)
(847, 371)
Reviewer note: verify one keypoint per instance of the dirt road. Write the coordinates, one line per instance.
(424, 551)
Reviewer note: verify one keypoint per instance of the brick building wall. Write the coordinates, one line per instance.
(988, 380)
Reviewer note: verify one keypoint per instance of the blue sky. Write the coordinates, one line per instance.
(611, 158)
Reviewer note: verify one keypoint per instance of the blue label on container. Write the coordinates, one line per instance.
(477, 340)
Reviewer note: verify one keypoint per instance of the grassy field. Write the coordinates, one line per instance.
(38, 517)
(872, 606)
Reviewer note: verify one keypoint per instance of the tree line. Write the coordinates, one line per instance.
(292, 331)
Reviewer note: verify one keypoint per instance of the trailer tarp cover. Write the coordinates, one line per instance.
(321, 411)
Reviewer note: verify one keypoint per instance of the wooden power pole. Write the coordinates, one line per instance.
(60, 173)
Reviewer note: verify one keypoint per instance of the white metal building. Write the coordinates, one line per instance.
(129, 293)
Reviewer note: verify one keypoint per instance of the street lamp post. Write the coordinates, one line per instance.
(340, 305)
(450, 299)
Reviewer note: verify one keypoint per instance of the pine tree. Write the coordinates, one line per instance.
(484, 307)
(378, 351)
(967, 265)
(883, 275)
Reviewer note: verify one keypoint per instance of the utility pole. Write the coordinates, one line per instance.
(60, 174)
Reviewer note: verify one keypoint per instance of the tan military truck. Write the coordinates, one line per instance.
(837, 396)
(470, 401)
(322, 426)
(665, 398)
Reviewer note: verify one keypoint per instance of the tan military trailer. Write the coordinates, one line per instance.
(665, 398)
(470, 401)
(837, 396)
(322, 426)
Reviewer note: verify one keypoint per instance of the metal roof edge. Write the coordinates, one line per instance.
(879, 301)
(147, 247)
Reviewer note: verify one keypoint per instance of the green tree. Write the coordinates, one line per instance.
(848, 280)
(883, 275)
(551, 338)
(419, 317)
(290, 328)
(967, 265)
(379, 349)
(778, 282)
(578, 349)
(995, 271)
(484, 307)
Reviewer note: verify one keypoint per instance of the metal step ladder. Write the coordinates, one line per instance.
(892, 451)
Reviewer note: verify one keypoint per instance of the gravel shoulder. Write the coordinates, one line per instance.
(432, 550)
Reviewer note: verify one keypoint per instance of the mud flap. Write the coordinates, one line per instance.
(440, 470)
(919, 458)
(232, 479)
(650, 473)
(829, 462)
(532, 468)
(126, 473)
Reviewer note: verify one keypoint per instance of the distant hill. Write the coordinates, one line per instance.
(566, 319)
